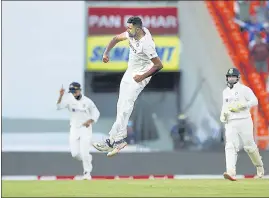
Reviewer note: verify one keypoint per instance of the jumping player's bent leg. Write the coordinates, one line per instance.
(108, 144)
(231, 150)
(246, 134)
(129, 91)
(127, 97)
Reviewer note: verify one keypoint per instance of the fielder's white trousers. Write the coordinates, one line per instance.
(236, 130)
(80, 141)
(128, 93)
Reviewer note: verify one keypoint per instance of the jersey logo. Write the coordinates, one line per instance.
(84, 105)
(226, 100)
(132, 47)
(73, 110)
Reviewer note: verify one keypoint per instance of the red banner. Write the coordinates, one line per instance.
(111, 20)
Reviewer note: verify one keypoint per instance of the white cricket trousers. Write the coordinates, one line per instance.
(80, 141)
(128, 93)
(236, 130)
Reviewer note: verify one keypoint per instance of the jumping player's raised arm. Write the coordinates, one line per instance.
(112, 43)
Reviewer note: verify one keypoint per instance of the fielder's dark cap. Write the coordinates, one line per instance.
(74, 86)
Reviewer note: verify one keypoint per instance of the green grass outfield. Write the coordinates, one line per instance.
(123, 188)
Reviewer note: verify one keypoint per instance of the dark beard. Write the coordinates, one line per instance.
(78, 97)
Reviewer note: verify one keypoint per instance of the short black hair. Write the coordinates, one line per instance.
(135, 21)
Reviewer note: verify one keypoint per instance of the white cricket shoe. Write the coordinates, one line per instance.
(118, 146)
(104, 146)
(260, 171)
(87, 176)
(229, 176)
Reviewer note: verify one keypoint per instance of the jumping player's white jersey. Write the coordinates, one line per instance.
(81, 110)
(241, 94)
(141, 53)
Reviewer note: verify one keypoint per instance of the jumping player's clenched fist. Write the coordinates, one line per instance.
(105, 58)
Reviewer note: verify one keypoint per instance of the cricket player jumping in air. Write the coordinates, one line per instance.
(235, 113)
(142, 65)
(83, 114)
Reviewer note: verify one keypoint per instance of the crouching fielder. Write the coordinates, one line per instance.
(237, 101)
(83, 114)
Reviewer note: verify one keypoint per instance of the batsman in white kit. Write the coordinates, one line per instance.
(142, 65)
(84, 114)
(235, 113)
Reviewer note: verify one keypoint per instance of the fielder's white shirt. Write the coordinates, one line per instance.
(140, 54)
(239, 94)
(81, 110)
